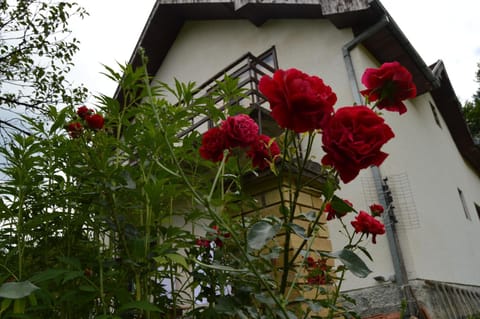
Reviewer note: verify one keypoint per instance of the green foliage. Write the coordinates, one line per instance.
(471, 111)
(130, 222)
(36, 53)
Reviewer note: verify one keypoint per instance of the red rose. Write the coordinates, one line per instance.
(95, 121)
(213, 144)
(317, 279)
(299, 102)
(332, 213)
(218, 242)
(75, 129)
(389, 85)
(202, 242)
(263, 151)
(84, 111)
(367, 224)
(311, 262)
(88, 272)
(352, 141)
(240, 130)
(376, 209)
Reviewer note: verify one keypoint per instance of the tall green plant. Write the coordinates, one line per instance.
(122, 212)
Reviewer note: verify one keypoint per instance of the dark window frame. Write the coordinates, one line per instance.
(464, 204)
(436, 116)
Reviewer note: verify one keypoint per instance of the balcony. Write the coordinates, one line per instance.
(248, 70)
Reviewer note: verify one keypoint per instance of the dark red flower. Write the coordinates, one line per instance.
(218, 242)
(298, 101)
(376, 209)
(88, 272)
(310, 262)
(75, 129)
(84, 111)
(263, 151)
(214, 142)
(317, 279)
(390, 84)
(367, 224)
(203, 242)
(240, 130)
(352, 141)
(332, 213)
(95, 121)
(318, 271)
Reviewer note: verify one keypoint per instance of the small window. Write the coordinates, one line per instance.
(435, 114)
(477, 208)
(464, 204)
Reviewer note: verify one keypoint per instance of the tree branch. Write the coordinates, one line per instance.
(10, 125)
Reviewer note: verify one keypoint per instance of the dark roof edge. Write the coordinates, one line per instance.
(451, 109)
(402, 38)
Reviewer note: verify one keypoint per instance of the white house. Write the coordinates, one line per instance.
(429, 257)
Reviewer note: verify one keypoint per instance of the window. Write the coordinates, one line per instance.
(464, 204)
(435, 114)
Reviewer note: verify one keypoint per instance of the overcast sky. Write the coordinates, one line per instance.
(438, 29)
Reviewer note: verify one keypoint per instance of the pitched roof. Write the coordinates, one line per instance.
(168, 16)
(450, 108)
(387, 44)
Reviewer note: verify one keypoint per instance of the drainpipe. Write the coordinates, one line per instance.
(401, 277)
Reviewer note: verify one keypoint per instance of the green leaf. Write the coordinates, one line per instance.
(289, 314)
(310, 216)
(315, 306)
(298, 230)
(219, 267)
(17, 290)
(365, 251)
(60, 119)
(48, 275)
(226, 305)
(352, 262)
(260, 234)
(141, 305)
(5, 304)
(19, 305)
(339, 205)
(178, 259)
(87, 288)
(264, 298)
(273, 254)
(72, 275)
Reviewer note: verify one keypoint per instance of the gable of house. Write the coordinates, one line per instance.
(385, 43)
(200, 39)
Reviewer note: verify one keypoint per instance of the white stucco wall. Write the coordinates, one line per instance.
(443, 244)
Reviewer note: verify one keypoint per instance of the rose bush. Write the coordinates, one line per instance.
(123, 218)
